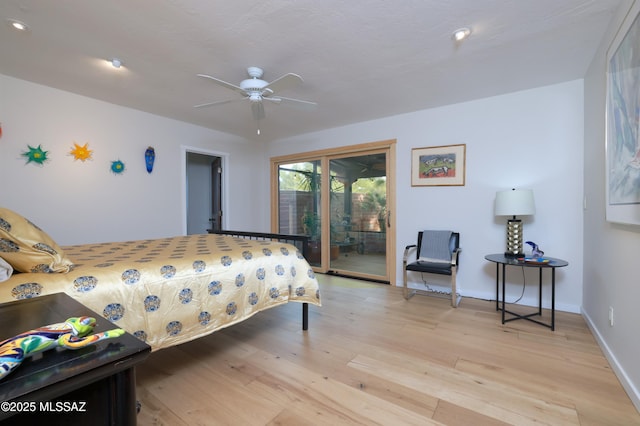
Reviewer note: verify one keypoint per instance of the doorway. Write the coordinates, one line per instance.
(342, 200)
(204, 192)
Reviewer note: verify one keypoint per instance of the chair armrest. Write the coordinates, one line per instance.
(454, 257)
(408, 248)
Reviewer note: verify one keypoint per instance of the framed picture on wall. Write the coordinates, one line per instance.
(438, 165)
(622, 123)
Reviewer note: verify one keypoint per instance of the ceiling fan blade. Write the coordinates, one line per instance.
(208, 104)
(258, 110)
(287, 81)
(223, 83)
(297, 102)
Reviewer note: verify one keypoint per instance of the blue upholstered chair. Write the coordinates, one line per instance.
(437, 252)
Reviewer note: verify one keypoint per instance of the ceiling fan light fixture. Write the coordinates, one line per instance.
(461, 34)
(253, 84)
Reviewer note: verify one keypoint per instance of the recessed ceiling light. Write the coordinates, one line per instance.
(461, 34)
(18, 25)
(116, 63)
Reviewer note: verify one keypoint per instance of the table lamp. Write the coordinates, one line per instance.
(514, 202)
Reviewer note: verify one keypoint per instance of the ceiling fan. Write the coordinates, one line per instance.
(257, 90)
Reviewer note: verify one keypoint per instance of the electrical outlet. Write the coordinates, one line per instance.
(611, 316)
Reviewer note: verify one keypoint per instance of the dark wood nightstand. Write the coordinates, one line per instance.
(93, 385)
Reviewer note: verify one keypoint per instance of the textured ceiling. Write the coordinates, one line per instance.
(360, 60)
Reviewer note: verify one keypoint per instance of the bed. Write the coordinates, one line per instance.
(164, 291)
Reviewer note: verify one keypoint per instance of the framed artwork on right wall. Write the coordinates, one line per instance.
(623, 123)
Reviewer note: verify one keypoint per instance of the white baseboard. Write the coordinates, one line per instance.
(627, 384)
(526, 301)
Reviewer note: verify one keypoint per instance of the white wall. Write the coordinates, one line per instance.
(611, 250)
(80, 202)
(530, 139)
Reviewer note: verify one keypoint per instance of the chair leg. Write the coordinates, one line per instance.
(405, 290)
(454, 293)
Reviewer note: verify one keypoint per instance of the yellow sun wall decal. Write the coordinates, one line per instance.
(82, 153)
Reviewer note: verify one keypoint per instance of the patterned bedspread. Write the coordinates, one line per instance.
(169, 291)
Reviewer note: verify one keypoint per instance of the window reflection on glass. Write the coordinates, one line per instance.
(300, 203)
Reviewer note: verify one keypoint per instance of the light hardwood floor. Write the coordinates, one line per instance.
(370, 357)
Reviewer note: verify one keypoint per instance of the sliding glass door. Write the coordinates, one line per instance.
(358, 205)
(341, 199)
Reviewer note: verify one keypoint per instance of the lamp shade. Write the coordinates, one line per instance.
(514, 202)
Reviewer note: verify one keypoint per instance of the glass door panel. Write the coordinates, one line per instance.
(358, 216)
(300, 204)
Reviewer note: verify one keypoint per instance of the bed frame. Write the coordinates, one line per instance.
(299, 241)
